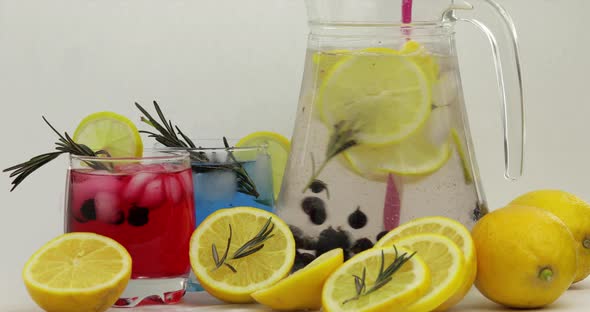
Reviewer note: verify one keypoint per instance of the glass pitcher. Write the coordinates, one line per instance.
(381, 134)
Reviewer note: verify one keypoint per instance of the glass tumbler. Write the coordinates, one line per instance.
(145, 204)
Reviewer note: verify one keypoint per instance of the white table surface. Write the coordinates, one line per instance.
(576, 299)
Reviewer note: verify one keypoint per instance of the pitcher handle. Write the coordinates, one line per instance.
(504, 43)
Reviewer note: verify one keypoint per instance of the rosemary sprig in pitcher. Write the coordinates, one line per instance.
(384, 277)
(64, 145)
(342, 138)
(250, 247)
(171, 136)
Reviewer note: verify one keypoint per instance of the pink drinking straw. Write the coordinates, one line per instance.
(406, 16)
(392, 206)
(406, 11)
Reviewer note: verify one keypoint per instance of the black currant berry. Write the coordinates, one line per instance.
(88, 210)
(318, 186)
(331, 239)
(315, 208)
(361, 245)
(301, 260)
(357, 219)
(381, 234)
(302, 241)
(138, 216)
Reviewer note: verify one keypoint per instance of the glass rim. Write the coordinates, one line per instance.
(153, 154)
(205, 149)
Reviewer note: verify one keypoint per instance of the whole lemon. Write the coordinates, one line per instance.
(574, 212)
(526, 256)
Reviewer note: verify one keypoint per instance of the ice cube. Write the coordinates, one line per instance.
(107, 206)
(173, 189)
(153, 194)
(445, 90)
(136, 185)
(262, 175)
(216, 185)
(439, 126)
(186, 179)
(156, 168)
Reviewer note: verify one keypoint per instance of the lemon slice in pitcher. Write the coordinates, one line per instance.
(421, 153)
(110, 132)
(385, 95)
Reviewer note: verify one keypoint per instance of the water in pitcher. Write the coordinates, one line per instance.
(379, 140)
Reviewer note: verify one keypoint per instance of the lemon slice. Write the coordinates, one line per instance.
(78, 270)
(453, 230)
(277, 146)
(407, 285)
(302, 290)
(110, 132)
(423, 58)
(463, 156)
(253, 272)
(323, 62)
(446, 263)
(421, 153)
(385, 96)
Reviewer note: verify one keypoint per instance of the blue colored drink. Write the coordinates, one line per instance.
(224, 180)
(218, 188)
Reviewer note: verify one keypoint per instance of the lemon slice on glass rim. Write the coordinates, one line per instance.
(110, 132)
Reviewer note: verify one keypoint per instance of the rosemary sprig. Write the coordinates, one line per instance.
(250, 247)
(343, 138)
(168, 137)
(64, 145)
(384, 277)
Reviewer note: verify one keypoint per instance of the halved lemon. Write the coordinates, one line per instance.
(78, 271)
(446, 263)
(110, 132)
(385, 96)
(302, 290)
(453, 230)
(407, 285)
(239, 277)
(277, 146)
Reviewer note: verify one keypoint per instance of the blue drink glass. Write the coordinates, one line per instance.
(220, 183)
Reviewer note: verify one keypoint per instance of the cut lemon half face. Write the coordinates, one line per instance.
(407, 285)
(451, 229)
(92, 269)
(385, 96)
(242, 271)
(446, 263)
(109, 132)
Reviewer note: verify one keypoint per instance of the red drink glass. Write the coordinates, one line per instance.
(147, 205)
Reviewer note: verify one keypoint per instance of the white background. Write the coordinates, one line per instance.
(229, 67)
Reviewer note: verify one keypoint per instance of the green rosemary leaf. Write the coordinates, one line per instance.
(187, 139)
(231, 267)
(215, 254)
(248, 252)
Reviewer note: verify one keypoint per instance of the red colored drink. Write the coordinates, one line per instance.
(146, 208)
